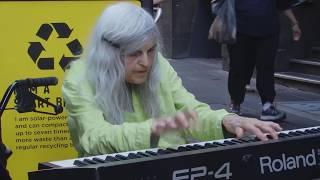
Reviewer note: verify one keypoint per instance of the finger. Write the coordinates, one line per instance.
(274, 135)
(267, 128)
(276, 126)
(170, 123)
(272, 129)
(181, 120)
(191, 115)
(159, 127)
(256, 131)
(239, 132)
(260, 135)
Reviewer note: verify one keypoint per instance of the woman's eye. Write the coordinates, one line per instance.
(135, 54)
(151, 50)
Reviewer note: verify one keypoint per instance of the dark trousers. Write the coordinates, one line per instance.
(246, 54)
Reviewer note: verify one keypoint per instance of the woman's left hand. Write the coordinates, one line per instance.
(239, 126)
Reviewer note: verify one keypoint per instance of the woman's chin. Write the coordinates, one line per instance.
(137, 81)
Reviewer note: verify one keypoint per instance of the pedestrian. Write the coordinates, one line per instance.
(257, 39)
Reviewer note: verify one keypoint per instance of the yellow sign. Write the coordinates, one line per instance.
(38, 39)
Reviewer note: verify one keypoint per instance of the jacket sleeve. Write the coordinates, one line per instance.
(209, 124)
(91, 133)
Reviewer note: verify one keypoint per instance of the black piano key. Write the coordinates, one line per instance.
(80, 163)
(163, 151)
(283, 135)
(151, 153)
(182, 148)
(248, 139)
(172, 150)
(227, 142)
(189, 148)
(298, 132)
(316, 129)
(143, 154)
(111, 159)
(245, 140)
(192, 147)
(99, 160)
(218, 144)
(290, 134)
(121, 157)
(134, 156)
(209, 145)
(312, 130)
(301, 132)
(199, 146)
(294, 133)
(309, 131)
(90, 161)
(236, 141)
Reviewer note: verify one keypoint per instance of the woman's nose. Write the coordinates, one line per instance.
(144, 59)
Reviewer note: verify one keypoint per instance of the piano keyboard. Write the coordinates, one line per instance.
(156, 151)
(273, 158)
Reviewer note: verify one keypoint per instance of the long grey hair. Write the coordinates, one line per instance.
(122, 29)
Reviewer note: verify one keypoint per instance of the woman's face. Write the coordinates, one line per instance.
(138, 64)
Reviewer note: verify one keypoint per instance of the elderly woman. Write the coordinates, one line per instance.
(125, 96)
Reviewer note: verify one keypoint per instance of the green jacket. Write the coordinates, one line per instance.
(92, 134)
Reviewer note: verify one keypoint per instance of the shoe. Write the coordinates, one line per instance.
(272, 114)
(235, 108)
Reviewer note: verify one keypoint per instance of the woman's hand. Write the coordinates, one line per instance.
(240, 125)
(181, 120)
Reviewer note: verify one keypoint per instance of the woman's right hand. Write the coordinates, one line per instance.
(181, 120)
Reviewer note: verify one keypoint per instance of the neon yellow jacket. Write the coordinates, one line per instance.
(92, 134)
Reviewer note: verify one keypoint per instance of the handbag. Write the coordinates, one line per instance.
(223, 28)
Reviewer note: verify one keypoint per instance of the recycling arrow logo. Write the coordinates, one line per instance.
(37, 50)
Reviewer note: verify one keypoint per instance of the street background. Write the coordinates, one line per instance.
(208, 82)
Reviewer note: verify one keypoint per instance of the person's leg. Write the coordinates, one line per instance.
(266, 54)
(250, 70)
(239, 54)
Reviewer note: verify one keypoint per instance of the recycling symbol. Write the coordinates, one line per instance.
(63, 31)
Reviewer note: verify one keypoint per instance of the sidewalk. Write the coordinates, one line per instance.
(208, 82)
